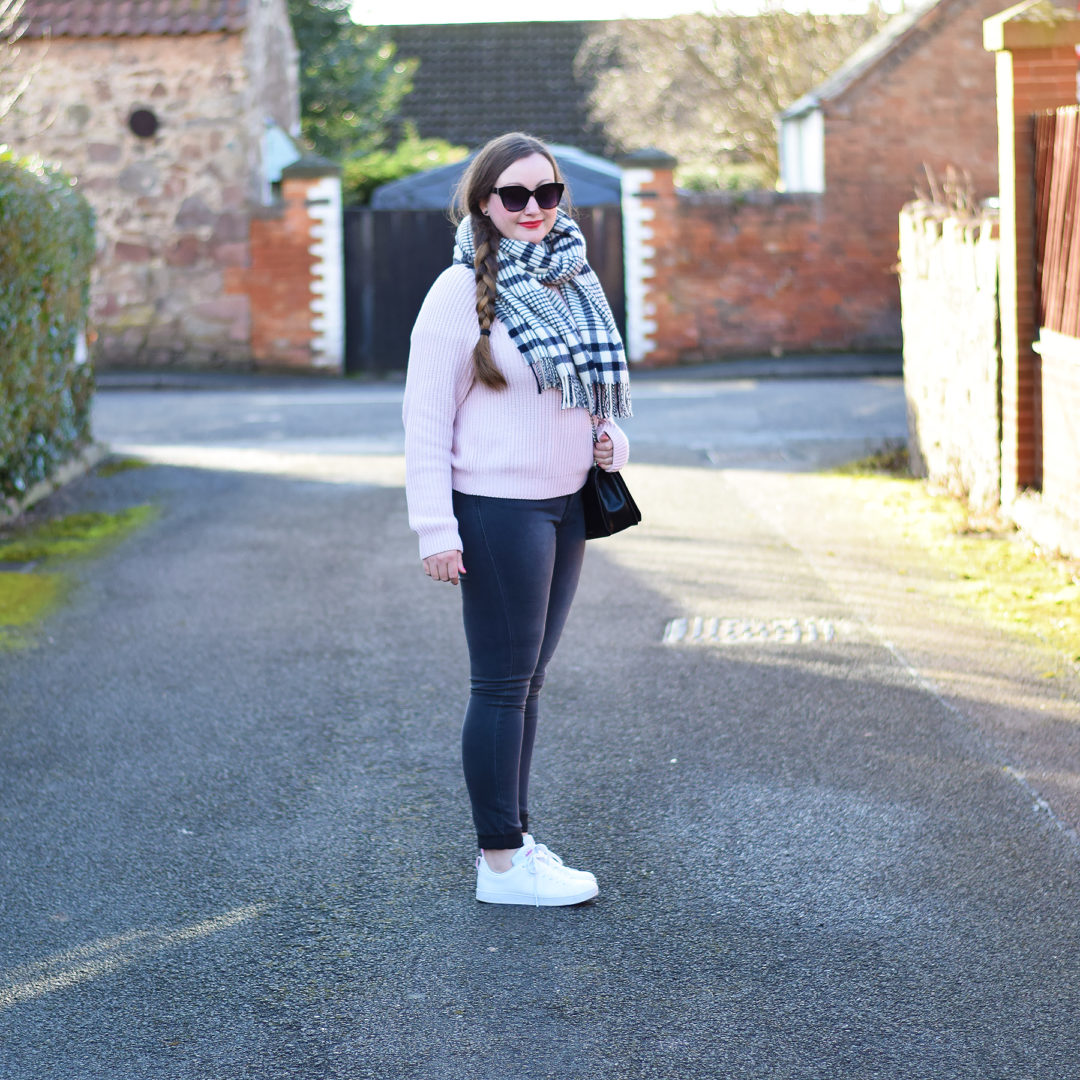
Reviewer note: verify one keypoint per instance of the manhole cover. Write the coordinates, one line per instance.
(705, 630)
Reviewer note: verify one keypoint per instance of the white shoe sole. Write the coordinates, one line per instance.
(503, 896)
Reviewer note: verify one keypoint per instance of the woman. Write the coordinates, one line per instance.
(515, 363)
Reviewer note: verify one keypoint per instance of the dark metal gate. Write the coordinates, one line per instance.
(393, 256)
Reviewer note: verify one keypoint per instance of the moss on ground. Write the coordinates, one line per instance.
(76, 534)
(114, 465)
(33, 582)
(25, 599)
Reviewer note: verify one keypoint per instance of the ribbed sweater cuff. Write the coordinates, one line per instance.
(431, 543)
(620, 455)
(620, 445)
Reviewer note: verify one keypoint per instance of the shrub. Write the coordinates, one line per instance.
(47, 245)
(362, 175)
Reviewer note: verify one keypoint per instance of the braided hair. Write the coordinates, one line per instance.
(486, 266)
(477, 184)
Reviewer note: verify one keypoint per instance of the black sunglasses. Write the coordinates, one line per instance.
(515, 197)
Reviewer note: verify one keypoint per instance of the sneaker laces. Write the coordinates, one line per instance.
(539, 862)
(545, 854)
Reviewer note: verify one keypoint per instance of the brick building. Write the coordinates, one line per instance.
(176, 117)
(813, 267)
(916, 93)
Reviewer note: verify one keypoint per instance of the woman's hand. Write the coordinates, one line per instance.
(603, 452)
(445, 566)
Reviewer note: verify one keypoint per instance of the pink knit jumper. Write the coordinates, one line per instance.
(513, 443)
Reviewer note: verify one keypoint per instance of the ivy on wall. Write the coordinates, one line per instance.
(46, 252)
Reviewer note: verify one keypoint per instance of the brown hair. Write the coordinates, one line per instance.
(476, 184)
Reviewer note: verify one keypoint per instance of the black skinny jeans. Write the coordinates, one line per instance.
(522, 559)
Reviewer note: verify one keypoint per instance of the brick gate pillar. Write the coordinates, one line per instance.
(649, 208)
(1035, 45)
(294, 279)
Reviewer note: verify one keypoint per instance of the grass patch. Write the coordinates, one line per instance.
(987, 566)
(891, 460)
(114, 465)
(26, 598)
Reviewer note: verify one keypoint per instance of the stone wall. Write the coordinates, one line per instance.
(948, 291)
(173, 207)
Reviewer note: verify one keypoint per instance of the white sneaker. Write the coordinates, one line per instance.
(545, 854)
(530, 880)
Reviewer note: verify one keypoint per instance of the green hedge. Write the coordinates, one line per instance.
(46, 251)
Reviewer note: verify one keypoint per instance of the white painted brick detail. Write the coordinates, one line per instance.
(638, 254)
(328, 274)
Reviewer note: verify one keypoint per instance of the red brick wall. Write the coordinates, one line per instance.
(277, 281)
(762, 271)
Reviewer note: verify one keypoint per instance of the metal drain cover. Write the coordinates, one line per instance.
(703, 630)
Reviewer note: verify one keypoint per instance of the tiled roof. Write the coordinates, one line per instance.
(478, 80)
(132, 18)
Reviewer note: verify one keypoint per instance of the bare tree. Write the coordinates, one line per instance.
(706, 88)
(12, 82)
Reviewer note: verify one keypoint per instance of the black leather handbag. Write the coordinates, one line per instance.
(609, 506)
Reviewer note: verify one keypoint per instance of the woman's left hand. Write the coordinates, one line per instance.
(603, 452)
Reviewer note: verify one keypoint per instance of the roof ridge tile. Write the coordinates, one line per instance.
(132, 18)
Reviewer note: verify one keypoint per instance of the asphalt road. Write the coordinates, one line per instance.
(235, 840)
(789, 424)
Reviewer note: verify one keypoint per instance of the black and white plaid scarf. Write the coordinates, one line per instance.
(576, 347)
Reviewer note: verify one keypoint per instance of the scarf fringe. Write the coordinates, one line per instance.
(612, 400)
(550, 375)
(606, 401)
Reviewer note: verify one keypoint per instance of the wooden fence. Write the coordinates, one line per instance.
(1057, 218)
